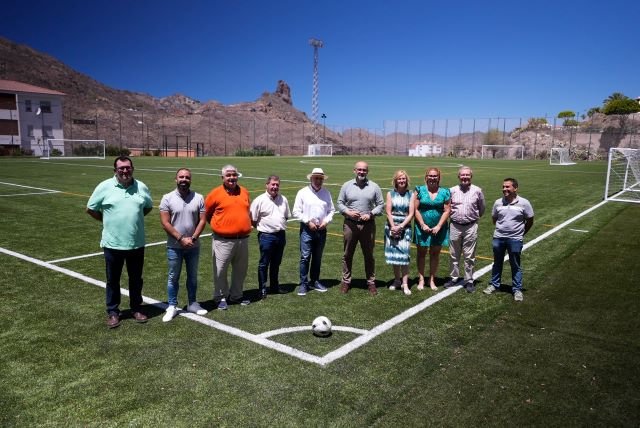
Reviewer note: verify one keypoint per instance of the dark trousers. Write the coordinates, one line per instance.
(311, 248)
(115, 260)
(271, 251)
(365, 234)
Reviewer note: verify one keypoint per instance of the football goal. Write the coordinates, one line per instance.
(560, 156)
(320, 150)
(79, 149)
(623, 175)
(502, 151)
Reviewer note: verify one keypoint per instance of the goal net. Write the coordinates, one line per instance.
(79, 149)
(623, 175)
(560, 156)
(320, 150)
(502, 151)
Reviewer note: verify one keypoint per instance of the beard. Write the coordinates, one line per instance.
(184, 186)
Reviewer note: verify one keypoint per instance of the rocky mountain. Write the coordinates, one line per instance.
(133, 119)
(271, 122)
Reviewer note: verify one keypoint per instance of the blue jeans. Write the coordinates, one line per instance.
(114, 261)
(311, 248)
(271, 250)
(514, 248)
(175, 256)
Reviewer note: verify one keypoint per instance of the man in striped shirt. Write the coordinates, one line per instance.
(467, 206)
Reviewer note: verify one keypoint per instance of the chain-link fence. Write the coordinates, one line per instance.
(211, 134)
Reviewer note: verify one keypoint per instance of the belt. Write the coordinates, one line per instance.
(217, 235)
(463, 224)
(356, 221)
(272, 233)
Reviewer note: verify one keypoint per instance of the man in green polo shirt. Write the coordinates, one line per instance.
(120, 204)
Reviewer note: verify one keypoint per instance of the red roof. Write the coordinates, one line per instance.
(13, 86)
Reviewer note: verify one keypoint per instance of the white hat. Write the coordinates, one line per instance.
(317, 171)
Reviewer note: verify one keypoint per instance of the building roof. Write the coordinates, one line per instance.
(13, 86)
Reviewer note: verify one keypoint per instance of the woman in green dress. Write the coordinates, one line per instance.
(432, 205)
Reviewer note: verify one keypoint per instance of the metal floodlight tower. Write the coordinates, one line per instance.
(314, 97)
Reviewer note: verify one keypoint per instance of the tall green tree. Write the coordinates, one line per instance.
(615, 97)
(566, 114)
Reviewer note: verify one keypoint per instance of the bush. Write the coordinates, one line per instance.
(537, 122)
(627, 106)
(570, 122)
(255, 152)
(117, 151)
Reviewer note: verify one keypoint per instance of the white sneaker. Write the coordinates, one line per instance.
(195, 308)
(490, 289)
(517, 296)
(170, 314)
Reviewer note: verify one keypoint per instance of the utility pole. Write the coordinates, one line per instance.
(314, 97)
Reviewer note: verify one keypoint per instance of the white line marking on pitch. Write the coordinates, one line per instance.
(331, 356)
(579, 230)
(44, 191)
(202, 320)
(373, 333)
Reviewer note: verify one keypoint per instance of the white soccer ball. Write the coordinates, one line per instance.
(321, 327)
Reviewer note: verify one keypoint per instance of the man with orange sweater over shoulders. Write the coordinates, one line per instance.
(227, 211)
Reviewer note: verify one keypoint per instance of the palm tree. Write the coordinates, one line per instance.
(615, 96)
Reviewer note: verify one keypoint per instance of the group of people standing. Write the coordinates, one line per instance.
(122, 202)
(449, 217)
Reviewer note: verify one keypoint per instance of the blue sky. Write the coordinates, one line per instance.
(382, 60)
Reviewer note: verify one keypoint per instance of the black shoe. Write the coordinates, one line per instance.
(469, 286)
(452, 282)
(263, 293)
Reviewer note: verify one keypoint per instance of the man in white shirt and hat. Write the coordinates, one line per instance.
(314, 208)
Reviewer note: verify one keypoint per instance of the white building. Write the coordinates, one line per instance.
(425, 148)
(28, 116)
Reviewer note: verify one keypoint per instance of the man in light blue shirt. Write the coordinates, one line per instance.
(120, 204)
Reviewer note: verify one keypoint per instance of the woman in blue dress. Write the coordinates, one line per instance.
(397, 230)
(432, 205)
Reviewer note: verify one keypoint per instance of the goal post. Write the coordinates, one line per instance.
(78, 149)
(502, 151)
(320, 150)
(623, 175)
(560, 156)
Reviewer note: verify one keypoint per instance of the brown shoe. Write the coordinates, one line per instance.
(373, 290)
(344, 288)
(113, 321)
(140, 317)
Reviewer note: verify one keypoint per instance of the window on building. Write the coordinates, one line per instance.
(27, 105)
(30, 130)
(48, 132)
(8, 127)
(45, 106)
